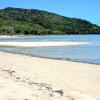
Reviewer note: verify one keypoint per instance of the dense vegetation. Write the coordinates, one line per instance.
(32, 21)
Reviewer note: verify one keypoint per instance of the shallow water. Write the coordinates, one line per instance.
(84, 53)
(30, 38)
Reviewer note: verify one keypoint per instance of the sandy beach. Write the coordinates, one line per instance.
(33, 78)
(7, 36)
(39, 44)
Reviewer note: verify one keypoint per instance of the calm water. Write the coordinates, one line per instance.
(83, 53)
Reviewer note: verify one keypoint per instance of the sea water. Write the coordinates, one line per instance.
(89, 53)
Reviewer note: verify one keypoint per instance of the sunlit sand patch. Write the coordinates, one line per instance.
(38, 44)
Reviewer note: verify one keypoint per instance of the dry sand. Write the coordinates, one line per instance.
(33, 78)
(38, 44)
(7, 36)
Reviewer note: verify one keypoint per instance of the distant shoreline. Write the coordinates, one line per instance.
(41, 44)
(8, 36)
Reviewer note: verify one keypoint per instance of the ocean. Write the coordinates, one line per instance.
(89, 53)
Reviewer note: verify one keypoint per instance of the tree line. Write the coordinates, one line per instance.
(16, 21)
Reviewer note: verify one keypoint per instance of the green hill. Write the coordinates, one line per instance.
(33, 21)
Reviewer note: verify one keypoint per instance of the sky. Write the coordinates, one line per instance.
(84, 9)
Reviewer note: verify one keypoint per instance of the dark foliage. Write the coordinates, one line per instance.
(37, 22)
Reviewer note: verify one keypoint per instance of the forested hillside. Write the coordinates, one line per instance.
(32, 21)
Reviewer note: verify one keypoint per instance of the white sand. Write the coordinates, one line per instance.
(38, 44)
(32, 78)
(7, 36)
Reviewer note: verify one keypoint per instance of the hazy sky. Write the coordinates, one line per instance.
(85, 9)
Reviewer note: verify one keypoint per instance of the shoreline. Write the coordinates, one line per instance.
(63, 79)
(41, 44)
(50, 58)
(8, 36)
